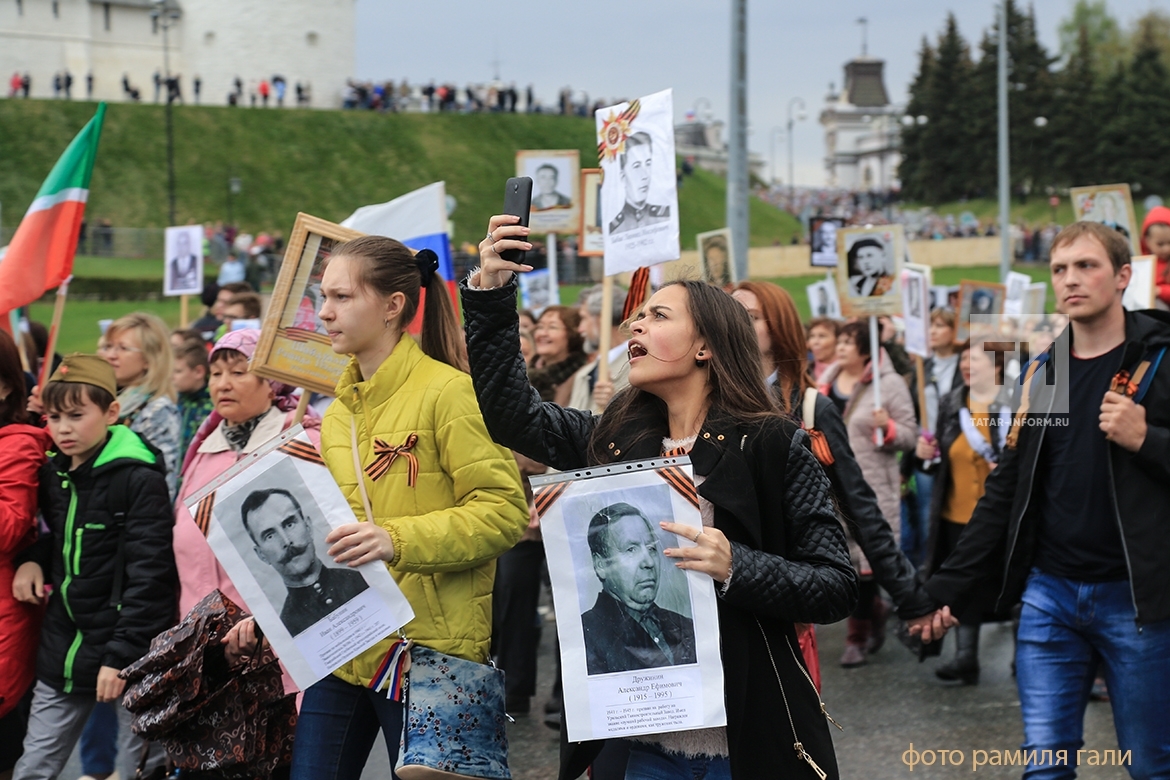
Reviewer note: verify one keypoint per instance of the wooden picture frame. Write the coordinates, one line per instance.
(592, 239)
(715, 270)
(563, 213)
(1109, 204)
(993, 292)
(869, 270)
(293, 346)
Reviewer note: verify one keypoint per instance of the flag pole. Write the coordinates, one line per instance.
(302, 405)
(54, 329)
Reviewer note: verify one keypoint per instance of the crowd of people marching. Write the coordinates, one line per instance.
(964, 495)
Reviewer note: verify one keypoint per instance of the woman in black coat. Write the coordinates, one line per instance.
(774, 547)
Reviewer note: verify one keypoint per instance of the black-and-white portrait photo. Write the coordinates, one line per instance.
(281, 534)
(556, 182)
(871, 266)
(715, 261)
(636, 611)
(823, 240)
(184, 265)
(823, 300)
(636, 167)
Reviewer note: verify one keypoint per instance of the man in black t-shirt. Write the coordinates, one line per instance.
(1079, 501)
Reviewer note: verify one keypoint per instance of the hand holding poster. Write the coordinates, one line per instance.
(266, 520)
(183, 273)
(610, 581)
(639, 191)
(867, 280)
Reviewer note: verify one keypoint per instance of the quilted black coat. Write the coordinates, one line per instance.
(772, 502)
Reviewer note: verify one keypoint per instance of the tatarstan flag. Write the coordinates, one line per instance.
(40, 255)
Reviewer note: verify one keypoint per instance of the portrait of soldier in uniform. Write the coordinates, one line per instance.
(635, 164)
(626, 629)
(282, 537)
(546, 196)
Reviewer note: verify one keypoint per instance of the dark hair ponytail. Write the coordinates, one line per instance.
(388, 266)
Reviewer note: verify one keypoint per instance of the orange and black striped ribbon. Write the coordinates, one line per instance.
(203, 512)
(638, 293)
(302, 450)
(678, 479)
(547, 496)
(387, 454)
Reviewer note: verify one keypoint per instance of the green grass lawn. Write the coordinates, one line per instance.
(79, 331)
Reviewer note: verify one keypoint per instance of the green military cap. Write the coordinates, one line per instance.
(87, 370)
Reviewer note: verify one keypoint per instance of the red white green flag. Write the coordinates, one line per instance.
(40, 255)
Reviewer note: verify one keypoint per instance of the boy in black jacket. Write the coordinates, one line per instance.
(109, 560)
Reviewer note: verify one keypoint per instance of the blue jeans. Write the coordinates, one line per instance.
(916, 518)
(1065, 628)
(337, 727)
(99, 741)
(650, 762)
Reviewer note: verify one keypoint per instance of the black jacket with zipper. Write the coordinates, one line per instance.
(771, 500)
(87, 623)
(1006, 516)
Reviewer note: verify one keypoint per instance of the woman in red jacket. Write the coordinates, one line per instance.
(24, 448)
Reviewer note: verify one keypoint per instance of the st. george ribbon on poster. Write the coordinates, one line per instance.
(266, 520)
(639, 637)
(639, 191)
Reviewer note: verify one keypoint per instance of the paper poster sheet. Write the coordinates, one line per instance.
(868, 279)
(610, 580)
(183, 273)
(916, 311)
(1109, 204)
(822, 239)
(639, 194)
(1017, 286)
(1141, 290)
(592, 241)
(266, 520)
(715, 265)
(823, 300)
(536, 290)
(555, 174)
(977, 299)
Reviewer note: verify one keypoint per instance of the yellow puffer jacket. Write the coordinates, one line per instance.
(467, 506)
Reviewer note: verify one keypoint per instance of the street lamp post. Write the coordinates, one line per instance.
(800, 115)
(165, 16)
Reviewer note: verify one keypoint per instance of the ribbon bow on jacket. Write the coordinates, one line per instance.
(387, 454)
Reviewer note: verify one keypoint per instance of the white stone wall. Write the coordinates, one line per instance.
(303, 40)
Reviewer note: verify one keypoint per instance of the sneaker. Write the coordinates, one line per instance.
(853, 656)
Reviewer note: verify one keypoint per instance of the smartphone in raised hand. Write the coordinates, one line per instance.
(518, 203)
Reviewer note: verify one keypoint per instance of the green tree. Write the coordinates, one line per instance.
(1135, 144)
(914, 167)
(1091, 18)
(1077, 117)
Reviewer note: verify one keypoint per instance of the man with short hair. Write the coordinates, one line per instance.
(635, 165)
(589, 393)
(1078, 501)
(626, 629)
(282, 537)
(547, 196)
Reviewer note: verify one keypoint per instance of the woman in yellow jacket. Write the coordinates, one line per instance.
(444, 508)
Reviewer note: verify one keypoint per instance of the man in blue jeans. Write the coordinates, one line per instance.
(1074, 520)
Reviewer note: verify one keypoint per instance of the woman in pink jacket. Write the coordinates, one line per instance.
(249, 410)
(849, 384)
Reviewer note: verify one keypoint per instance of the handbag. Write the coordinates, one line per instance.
(453, 722)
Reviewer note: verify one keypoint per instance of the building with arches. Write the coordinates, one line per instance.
(862, 130)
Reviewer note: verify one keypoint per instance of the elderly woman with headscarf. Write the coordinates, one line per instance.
(248, 411)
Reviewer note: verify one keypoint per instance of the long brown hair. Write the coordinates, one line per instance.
(789, 345)
(12, 377)
(387, 266)
(735, 375)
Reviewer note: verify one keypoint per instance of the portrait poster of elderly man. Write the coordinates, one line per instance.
(640, 190)
(267, 520)
(867, 280)
(645, 650)
(183, 273)
(556, 177)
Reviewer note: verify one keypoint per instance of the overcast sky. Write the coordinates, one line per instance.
(795, 49)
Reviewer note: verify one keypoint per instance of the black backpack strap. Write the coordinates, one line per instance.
(119, 498)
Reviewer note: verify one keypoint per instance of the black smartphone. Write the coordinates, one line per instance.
(517, 202)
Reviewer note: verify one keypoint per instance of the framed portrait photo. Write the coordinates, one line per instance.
(823, 300)
(183, 272)
(592, 241)
(610, 581)
(979, 300)
(1109, 204)
(867, 279)
(294, 346)
(822, 240)
(715, 257)
(1141, 291)
(916, 310)
(555, 175)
